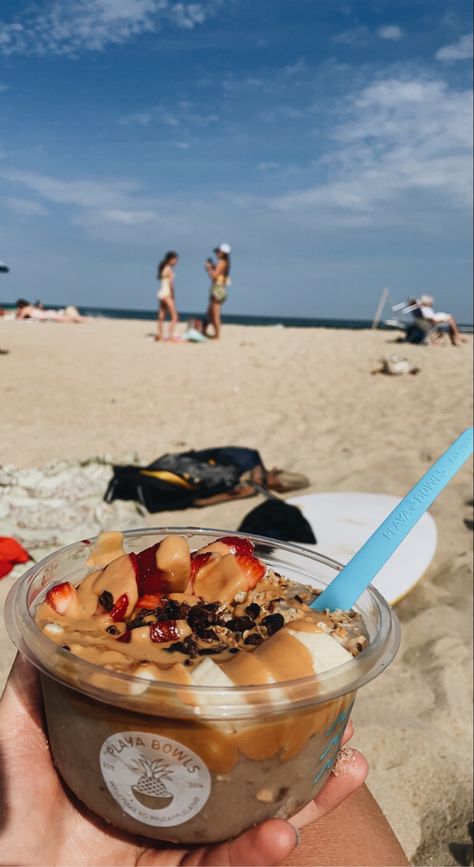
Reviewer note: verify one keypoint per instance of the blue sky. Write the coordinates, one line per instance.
(329, 143)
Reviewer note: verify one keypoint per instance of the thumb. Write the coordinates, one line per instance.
(265, 844)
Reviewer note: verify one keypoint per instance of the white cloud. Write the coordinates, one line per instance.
(128, 218)
(398, 145)
(268, 166)
(182, 145)
(354, 36)
(460, 50)
(141, 118)
(68, 27)
(391, 31)
(24, 207)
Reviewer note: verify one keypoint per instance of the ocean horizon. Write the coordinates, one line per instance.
(236, 318)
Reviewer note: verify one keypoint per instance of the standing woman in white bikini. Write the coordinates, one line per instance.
(220, 282)
(165, 294)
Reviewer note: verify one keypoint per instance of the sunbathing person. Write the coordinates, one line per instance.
(35, 312)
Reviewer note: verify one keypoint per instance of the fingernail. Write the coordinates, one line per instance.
(297, 835)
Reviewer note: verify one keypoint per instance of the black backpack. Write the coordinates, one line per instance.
(173, 481)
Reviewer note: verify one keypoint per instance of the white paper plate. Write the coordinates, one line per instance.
(342, 522)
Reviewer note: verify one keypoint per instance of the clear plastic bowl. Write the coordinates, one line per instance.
(193, 764)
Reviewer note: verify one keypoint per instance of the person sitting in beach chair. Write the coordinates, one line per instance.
(431, 324)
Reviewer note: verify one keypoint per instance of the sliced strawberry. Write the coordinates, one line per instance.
(61, 596)
(167, 630)
(236, 545)
(120, 608)
(149, 577)
(198, 561)
(252, 568)
(151, 600)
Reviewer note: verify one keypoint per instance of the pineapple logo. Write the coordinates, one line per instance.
(150, 790)
(155, 779)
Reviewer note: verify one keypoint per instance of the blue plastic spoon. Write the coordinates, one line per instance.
(351, 581)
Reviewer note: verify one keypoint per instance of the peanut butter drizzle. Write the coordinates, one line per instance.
(221, 581)
(108, 547)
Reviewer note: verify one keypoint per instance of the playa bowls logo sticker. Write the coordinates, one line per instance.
(154, 779)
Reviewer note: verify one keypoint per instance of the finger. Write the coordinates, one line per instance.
(348, 774)
(266, 844)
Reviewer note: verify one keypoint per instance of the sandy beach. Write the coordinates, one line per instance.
(307, 399)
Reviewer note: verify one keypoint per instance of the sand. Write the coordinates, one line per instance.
(308, 401)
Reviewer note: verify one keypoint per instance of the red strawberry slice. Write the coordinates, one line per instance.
(61, 596)
(149, 577)
(198, 561)
(252, 568)
(151, 600)
(120, 608)
(236, 545)
(165, 631)
(125, 637)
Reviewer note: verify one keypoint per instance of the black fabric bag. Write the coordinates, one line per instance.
(278, 520)
(173, 481)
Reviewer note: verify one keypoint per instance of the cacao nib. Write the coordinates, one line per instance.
(208, 651)
(273, 622)
(188, 646)
(207, 634)
(113, 630)
(202, 614)
(254, 638)
(253, 610)
(240, 624)
(106, 600)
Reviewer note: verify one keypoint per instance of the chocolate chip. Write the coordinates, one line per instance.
(240, 624)
(106, 600)
(234, 650)
(298, 598)
(253, 610)
(113, 630)
(273, 622)
(254, 638)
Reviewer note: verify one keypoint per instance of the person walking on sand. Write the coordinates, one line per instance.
(165, 294)
(219, 272)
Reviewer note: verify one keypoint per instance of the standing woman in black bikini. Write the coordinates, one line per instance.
(220, 281)
(165, 294)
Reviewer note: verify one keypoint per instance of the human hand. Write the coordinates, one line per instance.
(42, 823)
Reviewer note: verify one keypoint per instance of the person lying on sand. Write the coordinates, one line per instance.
(25, 310)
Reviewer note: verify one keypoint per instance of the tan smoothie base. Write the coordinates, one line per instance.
(258, 769)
